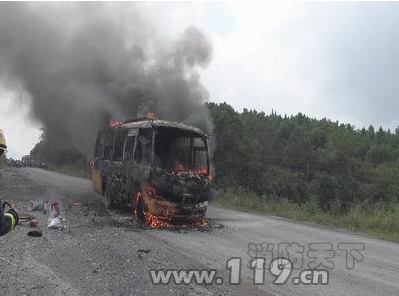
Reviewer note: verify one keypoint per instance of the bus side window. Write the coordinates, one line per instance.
(143, 150)
(108, 145)
(129, 148)
(138, 155)
(99, 150)
(147, 153)
(119, 144)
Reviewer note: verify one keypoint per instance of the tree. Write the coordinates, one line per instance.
(296, 157)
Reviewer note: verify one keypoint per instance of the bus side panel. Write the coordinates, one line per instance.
(96, 180)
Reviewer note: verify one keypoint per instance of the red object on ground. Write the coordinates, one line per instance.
(33, 223)
(45, 206)
(54, 209)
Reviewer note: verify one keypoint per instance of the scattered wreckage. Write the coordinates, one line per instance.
(160, 169)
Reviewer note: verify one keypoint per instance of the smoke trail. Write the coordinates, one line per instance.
(80, 63)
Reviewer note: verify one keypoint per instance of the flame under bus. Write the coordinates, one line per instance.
(158, 168)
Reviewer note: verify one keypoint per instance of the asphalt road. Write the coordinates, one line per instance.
(101, 252)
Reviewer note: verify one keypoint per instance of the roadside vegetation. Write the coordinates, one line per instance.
(380, 221)
(308, 169)
(60, 159)
(291, 166)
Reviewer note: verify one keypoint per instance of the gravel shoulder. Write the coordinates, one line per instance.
(97, 254)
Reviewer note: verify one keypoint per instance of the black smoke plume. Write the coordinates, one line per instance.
(79, 63)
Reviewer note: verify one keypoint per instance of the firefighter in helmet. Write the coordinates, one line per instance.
(9, 219)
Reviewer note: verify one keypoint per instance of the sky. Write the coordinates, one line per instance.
(325, 59)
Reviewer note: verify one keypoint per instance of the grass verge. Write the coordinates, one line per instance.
(381, 221)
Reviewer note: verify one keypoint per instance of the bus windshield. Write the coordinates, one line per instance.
(179, 150)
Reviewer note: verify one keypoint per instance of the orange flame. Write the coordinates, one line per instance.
(164, 219)
(202, 222)
(154, 221)
(179, 167)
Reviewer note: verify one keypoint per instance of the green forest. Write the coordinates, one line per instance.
(292, 166)
(297, 157)
(58, 158)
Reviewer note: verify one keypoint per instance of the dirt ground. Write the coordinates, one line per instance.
(99, 253)
(107, 253)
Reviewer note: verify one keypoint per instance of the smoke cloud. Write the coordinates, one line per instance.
(79, 63)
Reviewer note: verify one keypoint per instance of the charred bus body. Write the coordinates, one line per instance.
(158, 168)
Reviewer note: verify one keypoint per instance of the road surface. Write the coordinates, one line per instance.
(107, 253)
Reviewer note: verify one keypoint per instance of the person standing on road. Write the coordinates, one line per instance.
(9, 219)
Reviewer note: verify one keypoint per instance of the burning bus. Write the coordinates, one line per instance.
(160, 169)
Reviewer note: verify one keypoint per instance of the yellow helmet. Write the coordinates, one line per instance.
(3, 146)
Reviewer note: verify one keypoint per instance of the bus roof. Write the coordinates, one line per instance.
(154, 123)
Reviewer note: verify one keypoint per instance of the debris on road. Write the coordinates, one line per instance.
(33, 223)
(142, 251)
(9, 262)
(77, 203)
(45, 206)
(54, 209)
(26, 218)
(35, 206)
(35, 233)
(56, 223)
